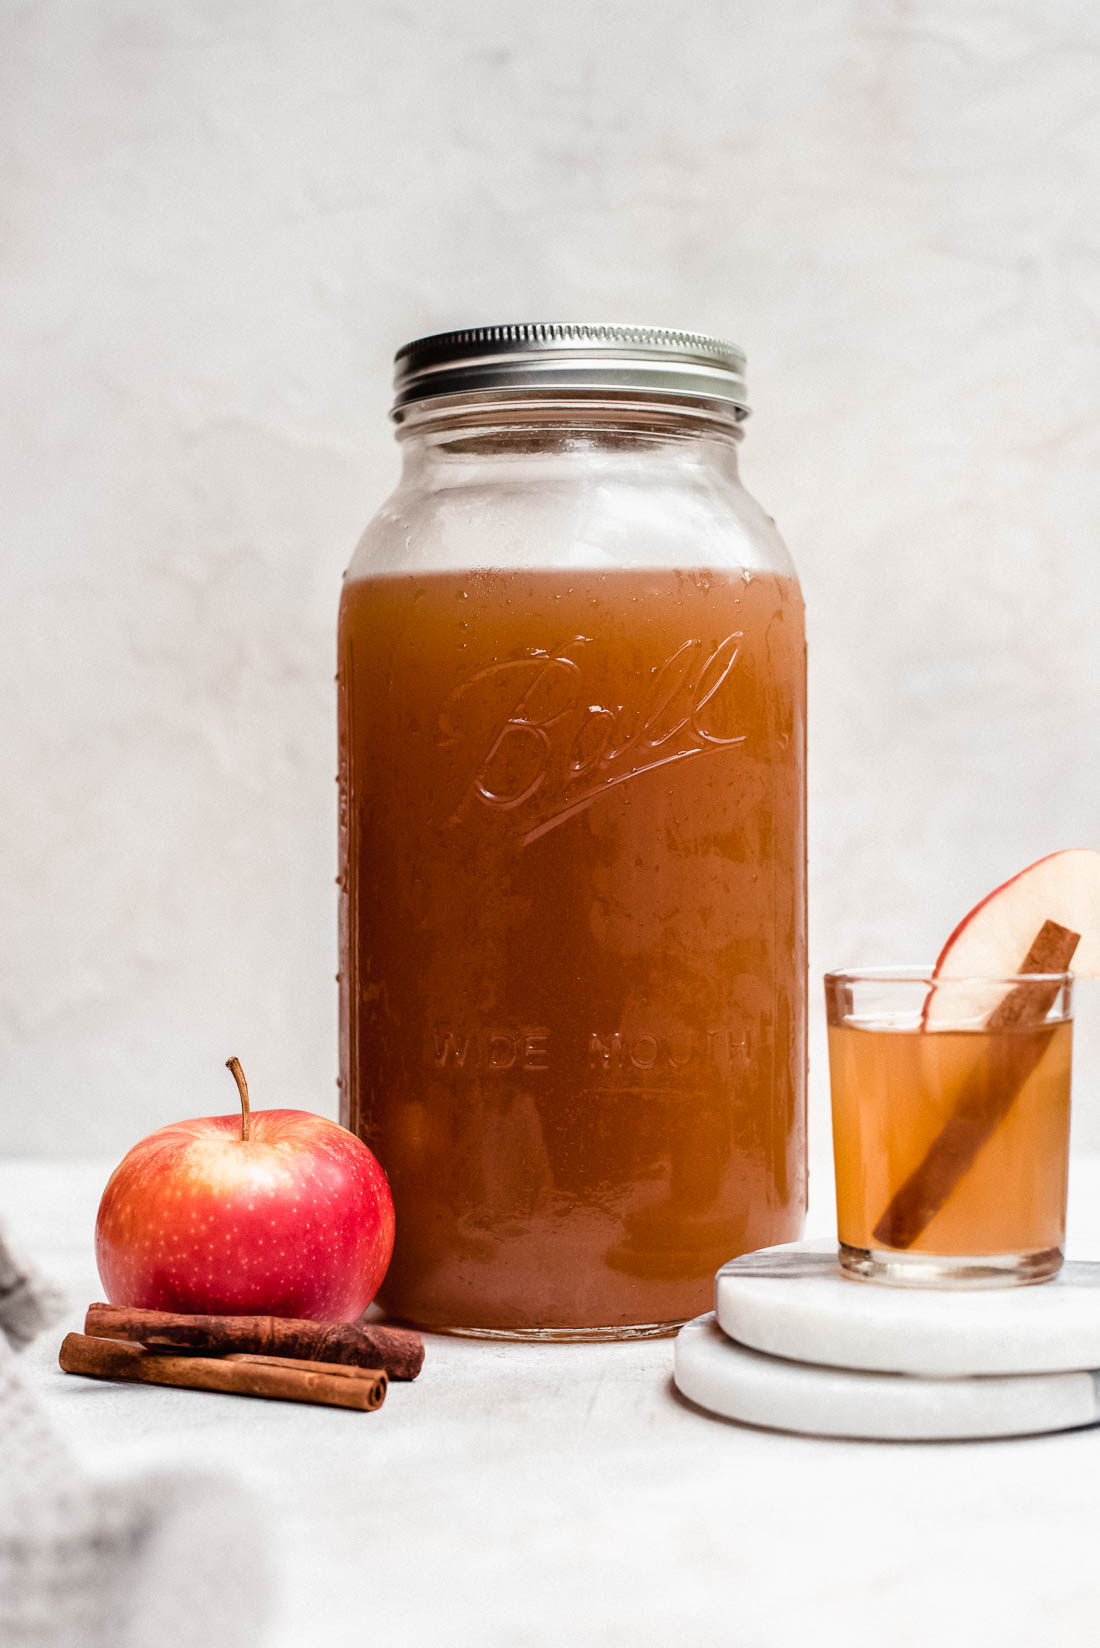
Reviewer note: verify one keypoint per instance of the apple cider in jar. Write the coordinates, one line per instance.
(571, 683)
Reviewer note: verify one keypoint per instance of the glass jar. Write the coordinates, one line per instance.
(572, 710)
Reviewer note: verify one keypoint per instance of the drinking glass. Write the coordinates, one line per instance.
(950, 1103)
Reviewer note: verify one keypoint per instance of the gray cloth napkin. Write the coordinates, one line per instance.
(162, 1556)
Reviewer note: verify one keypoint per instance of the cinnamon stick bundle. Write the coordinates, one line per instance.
(983, 1104)
(330, 1385)
(397, 1351)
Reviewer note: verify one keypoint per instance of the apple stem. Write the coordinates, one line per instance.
(234, 1066)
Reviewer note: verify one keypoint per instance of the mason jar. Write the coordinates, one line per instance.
(572, 840)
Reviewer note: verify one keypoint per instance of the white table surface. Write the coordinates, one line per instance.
(522, 1496)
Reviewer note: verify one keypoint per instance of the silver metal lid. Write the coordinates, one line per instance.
(541, 355)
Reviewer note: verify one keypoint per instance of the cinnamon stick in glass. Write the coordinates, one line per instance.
(983, 1105)
(399, 1352)
(333, 1386)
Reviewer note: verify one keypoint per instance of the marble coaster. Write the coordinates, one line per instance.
(793, 1301)
(743, 1384)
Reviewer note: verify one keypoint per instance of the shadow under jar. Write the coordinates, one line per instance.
(572, 700)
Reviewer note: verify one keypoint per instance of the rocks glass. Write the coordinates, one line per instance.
(950, 1105)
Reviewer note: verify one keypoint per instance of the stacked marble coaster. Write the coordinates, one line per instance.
(795, 1345)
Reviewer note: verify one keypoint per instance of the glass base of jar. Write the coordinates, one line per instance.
(566, 1336)
(937, 1270)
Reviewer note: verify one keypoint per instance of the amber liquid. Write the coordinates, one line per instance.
(573, 945)
(894, 1091)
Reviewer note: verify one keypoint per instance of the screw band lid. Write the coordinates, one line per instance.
(551, 355)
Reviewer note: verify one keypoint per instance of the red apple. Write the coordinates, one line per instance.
(992, 940)
(271, 1212)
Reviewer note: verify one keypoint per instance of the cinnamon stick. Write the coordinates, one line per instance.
(984, 1102)
(332, 1386)
(397, 1351)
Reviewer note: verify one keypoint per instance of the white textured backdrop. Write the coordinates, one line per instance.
(217, 221)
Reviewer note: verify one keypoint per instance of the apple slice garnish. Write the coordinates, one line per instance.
(991, 943)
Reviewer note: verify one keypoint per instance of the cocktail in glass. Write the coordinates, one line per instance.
(951, 1102)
